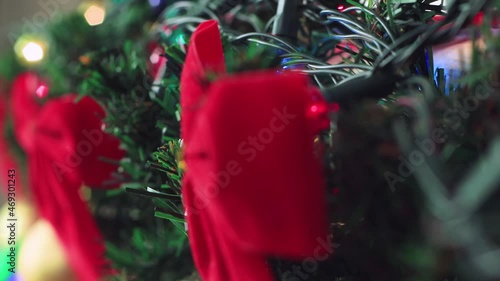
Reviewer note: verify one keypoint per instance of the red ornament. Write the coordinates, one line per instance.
(253, 188)
(63, 143)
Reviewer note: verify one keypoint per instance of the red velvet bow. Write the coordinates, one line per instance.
(253, 188)
(63, 141)
(7, 162)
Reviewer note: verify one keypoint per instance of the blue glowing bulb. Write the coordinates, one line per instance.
(154, 3)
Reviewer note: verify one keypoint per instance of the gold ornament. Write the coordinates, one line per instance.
(42, 256)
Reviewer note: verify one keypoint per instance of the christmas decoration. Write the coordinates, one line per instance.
(25, 105)
(406, 155)
(7, 161)
(73, 47)
(74, 128)
(223, 155)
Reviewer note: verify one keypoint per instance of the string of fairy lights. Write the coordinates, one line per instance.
(31, 48)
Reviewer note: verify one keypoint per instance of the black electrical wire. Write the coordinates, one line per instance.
(383, 79)
(286, 23)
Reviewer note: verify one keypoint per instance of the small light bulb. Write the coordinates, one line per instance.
(94, 15)
(42, 91)
(155, 57)
(32, 52)
(154, 3)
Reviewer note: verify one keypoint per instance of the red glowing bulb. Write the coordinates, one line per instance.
(335, 107)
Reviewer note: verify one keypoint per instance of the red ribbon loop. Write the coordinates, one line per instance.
(64, 144)
(259, 192)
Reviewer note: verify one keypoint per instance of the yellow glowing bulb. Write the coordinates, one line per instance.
(94, 15)
(32, 52)
(42, 256)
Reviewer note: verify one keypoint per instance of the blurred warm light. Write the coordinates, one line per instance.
(42, 256)
(85, 60)
(95, 14)
(33, 52)
(29, 49)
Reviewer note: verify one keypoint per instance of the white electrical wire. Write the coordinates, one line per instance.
(382, 22)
